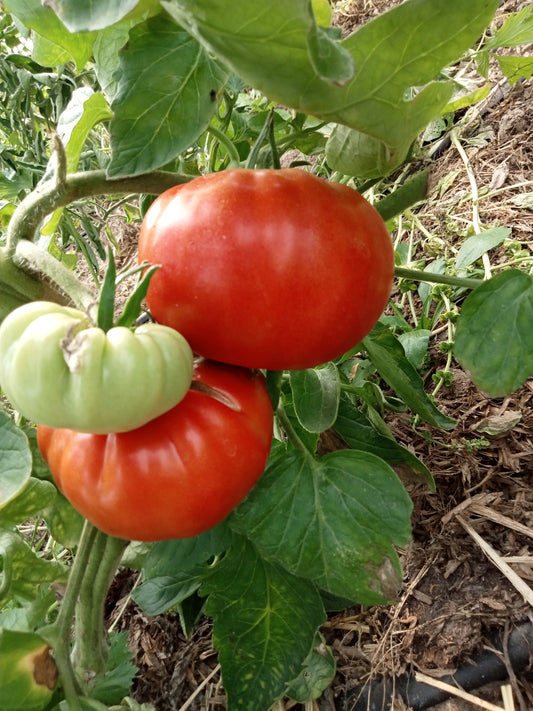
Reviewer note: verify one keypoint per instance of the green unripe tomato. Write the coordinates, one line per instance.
(58, 370)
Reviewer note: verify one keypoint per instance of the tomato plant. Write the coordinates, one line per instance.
(178, 475)
(269, 269)
(58, 370)
(259, 266)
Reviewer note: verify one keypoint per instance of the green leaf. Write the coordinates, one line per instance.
(166, 558)
(46, 23)
(174, 569)
(494, 338)
(329, 59)
(264, 625)
(80, 16)
(157, 595)
(387, 354)
(84, 110)
(15, 459)
(29, 674)
(64, 522)
(516, 30)
(164, 100)
(22, 571)
(356, 153)
(515, 68)
(415, 345)
(317, 674)
(333, 520)
(268, 47)
(477, 245)
(117, 681)
(316, 395)
(357, 431)
(30, 500)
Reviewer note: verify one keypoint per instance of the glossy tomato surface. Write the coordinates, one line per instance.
(178, 475)
(274, 269)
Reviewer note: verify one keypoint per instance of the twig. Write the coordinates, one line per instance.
(475, 194)
(493, 555)
(199, 688)
(456, 691)
(501, 519)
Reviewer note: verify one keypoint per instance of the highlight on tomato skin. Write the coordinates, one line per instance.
(270, 269)
(180, 474)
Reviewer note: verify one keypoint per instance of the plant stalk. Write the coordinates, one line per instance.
(289, 430)
(58, 634)
(47, 198)
(421, 275)
(90, 638)
(60, 284)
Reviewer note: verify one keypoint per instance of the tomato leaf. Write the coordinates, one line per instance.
(316, 675)
(516, 30)
(174, 569)
(254, 603)
(84, 110)
(357, 431)
(333, 520)
(82, 16)
(387, 354)
(15, 459)
(29, 674)
(316, 393)
(47, 25)
(164, 99)
(158, 595)
(494, 339)
(269, 48)
(30, 501)
(22, 571)
(168, 557)
(475, 246)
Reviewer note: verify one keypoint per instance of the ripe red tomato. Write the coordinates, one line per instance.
(273, 269)
(178, 475)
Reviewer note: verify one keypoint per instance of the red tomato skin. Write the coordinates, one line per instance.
(273, 269)
(180, 474)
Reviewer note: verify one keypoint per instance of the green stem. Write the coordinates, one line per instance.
(289, 430)
(61, 285)
(225, 141)
(421, 275)
(16, 281)
(77, 186)
(90, 639)
(58, 634)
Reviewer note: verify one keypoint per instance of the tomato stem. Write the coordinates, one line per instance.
(421, 275)
(61, 284)
(289, 430)
(77, 186)
(58, 634)
(90, 642)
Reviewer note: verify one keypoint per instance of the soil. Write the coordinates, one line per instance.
(455, 601)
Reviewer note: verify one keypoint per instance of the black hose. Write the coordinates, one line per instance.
(487, 667)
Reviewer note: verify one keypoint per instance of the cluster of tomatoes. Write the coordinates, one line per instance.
(258, 270)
